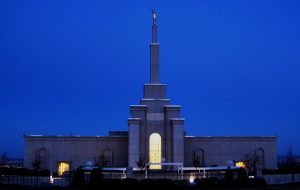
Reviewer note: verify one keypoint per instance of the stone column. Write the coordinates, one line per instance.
(178, 140)
(133, 141)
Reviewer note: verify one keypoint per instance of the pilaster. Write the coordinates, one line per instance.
(178, 140)
(134, 125)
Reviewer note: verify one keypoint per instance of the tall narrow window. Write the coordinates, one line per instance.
(155, 150)
(260, 156)
(63, 167)
(108, 157)
(42, 157)
(199, 157)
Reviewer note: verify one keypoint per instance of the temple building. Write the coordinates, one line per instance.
(155, 133)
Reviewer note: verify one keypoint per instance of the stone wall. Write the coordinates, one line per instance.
(282, 178)
(75, 150)
(218, 150)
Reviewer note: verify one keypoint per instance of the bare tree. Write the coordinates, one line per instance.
(251, 162)
(3, 159)
(196, 162)
(141, 164)
(290, 158)
(99, 161)
(36, 164)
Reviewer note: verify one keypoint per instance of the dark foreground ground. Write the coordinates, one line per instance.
(295, 186)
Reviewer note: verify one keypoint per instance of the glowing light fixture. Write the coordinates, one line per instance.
(241, 164)
(192, 179)
(51, 179)
(63, 167)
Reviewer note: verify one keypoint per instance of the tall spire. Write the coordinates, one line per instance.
(154, 52)
(154, 27)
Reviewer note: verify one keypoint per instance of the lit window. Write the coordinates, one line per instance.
(63, 167)
(155, 150)
(241, 164)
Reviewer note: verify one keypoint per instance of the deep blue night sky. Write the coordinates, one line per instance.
(74, 67)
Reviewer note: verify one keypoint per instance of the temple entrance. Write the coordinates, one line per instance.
(155, 150)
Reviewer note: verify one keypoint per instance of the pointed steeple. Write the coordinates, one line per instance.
(154, 52)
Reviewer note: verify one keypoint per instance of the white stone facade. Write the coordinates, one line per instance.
(154, 115)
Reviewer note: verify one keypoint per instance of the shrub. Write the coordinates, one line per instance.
(182, 184)
(242, 182)
(206, 182)
(24, 172)
(229, 174)
(156, 184)
(129, 183)
(78, 179)
(95, 177)
(257, 182)
(242, 174)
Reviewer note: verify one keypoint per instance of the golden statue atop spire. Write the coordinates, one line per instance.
(154, 16)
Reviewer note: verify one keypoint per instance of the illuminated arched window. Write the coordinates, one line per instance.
(43, 158)
(199, 156)
(108, 157)
(260, 156)
(63, 167)
(155, 150)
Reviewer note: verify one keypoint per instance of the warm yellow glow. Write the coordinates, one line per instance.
(63, 167)
(155, 150)
(192, 178)
(240, 164)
